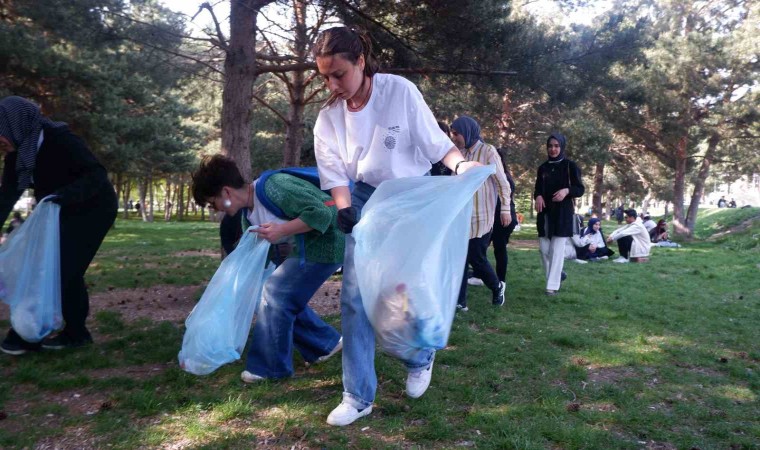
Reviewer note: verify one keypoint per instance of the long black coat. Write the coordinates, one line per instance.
(557, 217)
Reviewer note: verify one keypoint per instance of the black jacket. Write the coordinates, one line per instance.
(557, 217)
(64, 167)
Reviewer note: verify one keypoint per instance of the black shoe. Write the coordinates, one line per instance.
(65, 340)
(563, 277)
(498, 296)
(13, 344)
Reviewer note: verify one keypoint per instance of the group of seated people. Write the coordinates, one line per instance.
(634, 239)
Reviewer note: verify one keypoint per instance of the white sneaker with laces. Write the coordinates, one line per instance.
(418, 382)
(620, 260)
(338, 347)
(249, 377)
(345, 414)
(472, 281)
(581, 261)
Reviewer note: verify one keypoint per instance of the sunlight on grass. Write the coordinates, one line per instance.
(736, 393)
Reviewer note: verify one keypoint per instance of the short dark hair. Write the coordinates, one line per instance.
(214, 173)
(444, 127)
(630, 212)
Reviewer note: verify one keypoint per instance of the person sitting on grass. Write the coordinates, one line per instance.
(592, 241)
(283, 317)
(659, 232)
(632, 238)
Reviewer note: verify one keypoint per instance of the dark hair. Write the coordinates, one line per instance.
(349, 44)
(630, 212)
(214, 173)
(17, 215)
(445, 128)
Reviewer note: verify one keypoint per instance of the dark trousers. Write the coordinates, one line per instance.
(500, 239)
(481, 268)
(624, 246)
(83, 229)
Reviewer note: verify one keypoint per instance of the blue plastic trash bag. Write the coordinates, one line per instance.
(30, 274)
(411, 247)
(218, 326)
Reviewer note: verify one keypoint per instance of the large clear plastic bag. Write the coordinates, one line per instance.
(218, 326)
(411, 247)
(30, 274)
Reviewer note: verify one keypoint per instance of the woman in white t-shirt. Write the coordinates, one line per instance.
(374, 127)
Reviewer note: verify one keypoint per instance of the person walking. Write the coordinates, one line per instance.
(558, 182)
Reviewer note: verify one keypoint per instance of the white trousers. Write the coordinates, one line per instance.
(552, 258)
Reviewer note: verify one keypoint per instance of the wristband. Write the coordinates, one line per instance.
(456, 168)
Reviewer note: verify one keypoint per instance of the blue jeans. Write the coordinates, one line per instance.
(283, 320)
(359, 377)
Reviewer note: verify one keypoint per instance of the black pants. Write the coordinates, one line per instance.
(481, 268)
(624, 246)
(83, 229)
(500, 238)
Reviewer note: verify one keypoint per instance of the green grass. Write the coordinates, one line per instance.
(139, 254)
(627, 356)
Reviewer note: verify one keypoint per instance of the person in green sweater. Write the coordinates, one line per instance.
(283, 318)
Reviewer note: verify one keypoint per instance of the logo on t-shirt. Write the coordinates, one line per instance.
(390, 139)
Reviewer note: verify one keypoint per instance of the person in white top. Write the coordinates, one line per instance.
(648, 222)
(632, 238)
(374, 127)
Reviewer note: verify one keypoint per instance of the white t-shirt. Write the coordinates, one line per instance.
(649, 224)
(394, 136)
(260, 215)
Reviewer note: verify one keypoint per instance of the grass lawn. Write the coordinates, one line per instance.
(662, 355)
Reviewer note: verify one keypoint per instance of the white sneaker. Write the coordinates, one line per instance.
(346, 414)
(581, 261)
(620, 260)
(418, 382)
(472, 281)
(338, 347)
(604, 257)
(249, 377)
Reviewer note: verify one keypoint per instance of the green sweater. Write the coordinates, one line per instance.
(299, 199)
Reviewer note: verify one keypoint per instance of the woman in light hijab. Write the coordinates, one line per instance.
(592, 240)
(558, 182)
(46, 156)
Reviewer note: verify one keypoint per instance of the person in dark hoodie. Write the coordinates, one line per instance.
(48, 157)
(558, 182)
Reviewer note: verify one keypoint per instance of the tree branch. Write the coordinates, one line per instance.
(219, 34)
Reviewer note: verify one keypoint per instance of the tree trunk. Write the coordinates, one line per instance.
(596, 197)
(150, 191)
(239, 77)
(168, 200)
(297, 90)
(117, 185)
(699, 183)
(679, 181)
(181, 199)
(127, 192)
(143, 192)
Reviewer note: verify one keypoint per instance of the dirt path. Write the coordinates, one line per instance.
(174, 303)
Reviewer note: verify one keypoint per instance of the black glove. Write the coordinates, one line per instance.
(347, 218)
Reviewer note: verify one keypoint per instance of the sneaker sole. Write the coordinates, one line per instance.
(13, 352)
(362, 413)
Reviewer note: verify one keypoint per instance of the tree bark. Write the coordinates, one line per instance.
(181, 199)
(297, 87)
(239, 77)
(143, 192)
(679, 181)
(699, 183)
(596, 198)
